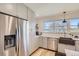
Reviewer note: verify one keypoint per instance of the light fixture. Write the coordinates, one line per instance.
(64, 21)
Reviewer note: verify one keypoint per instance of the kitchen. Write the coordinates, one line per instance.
(29, 29)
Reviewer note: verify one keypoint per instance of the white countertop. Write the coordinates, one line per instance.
(50, 36)
(75, 39)
(57, 36)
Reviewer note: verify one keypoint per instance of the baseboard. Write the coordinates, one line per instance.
(60, 54)
(48, 49)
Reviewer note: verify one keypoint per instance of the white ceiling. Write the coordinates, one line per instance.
(45, 9)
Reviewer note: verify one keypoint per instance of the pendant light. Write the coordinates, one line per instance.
(64, 21)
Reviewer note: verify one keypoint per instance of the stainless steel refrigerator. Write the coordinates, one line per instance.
(13, 36)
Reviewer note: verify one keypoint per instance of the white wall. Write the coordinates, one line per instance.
(32, 36)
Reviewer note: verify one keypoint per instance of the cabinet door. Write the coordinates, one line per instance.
(62, 47)
(31, 14)
(9, 8)
(52, 44)
(40, 41)
(44, 41)
(21, 10)
(77, 45)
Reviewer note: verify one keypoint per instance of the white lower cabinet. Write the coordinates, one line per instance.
(52, 44)
(40, 41)
(49, 43)
(44, 42)
(62, 47)
(77, 45)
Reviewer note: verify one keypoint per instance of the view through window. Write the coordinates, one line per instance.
(57, 26)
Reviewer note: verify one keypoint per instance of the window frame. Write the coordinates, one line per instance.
(68, 29)
(54, 26)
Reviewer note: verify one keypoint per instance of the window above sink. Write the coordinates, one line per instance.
(57, 26)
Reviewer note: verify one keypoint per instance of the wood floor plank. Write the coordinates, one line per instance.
(43, 52)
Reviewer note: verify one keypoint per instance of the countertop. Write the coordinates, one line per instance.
(57, 36)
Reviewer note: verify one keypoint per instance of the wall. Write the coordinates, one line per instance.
(69, 15)
(32, 36)
(20, 10)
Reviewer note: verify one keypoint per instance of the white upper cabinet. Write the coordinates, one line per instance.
(21, 10)
(9, 8)
(31, 14)
(17, 9)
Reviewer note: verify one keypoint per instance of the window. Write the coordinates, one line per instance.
(74, 25)
(55, 26)
(60, 27)
(48, 26)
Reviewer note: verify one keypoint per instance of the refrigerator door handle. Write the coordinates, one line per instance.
(17, 39)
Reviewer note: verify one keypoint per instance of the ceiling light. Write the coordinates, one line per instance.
(64, 13)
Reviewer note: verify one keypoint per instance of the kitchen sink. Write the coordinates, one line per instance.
(65, 40)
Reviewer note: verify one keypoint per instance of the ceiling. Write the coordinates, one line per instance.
(45, 9)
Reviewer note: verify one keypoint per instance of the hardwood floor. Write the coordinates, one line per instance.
(43, 52)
